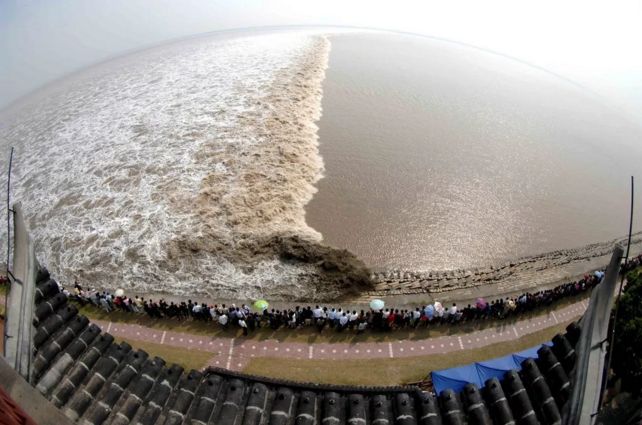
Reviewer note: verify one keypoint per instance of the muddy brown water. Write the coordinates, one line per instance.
(440, 156)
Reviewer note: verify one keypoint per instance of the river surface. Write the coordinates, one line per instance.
(442, 156)
(221, 164)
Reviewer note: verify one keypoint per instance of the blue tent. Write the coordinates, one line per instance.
(477, 373)
(496, 368)
(455, 378)
(529, 353)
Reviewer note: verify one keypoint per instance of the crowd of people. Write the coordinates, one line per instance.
(248, 319)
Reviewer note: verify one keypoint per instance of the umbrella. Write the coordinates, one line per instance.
(439, 308)
(430, 311)
(481, 303)
(261, 305)
(119, 293)
(377, 305)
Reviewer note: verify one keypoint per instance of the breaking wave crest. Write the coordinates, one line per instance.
(185, 169)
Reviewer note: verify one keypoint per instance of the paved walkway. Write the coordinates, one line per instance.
(235, 353)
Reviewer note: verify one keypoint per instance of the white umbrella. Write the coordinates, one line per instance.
(119, 293)
(377, 304)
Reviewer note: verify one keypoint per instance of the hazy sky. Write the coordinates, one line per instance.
(596, 43)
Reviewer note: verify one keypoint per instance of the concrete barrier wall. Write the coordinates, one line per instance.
(20, 302)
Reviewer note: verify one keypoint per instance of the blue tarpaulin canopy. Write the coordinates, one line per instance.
(477, 373)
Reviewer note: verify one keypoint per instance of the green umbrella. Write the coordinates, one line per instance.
(260, 305)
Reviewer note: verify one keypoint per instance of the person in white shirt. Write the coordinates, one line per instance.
(415, 317)
(331, 316)
(343, 321)
(317, 313)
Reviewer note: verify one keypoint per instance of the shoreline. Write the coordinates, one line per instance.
(555, 265)
(521, 275)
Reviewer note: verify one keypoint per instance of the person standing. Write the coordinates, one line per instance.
(243, 326)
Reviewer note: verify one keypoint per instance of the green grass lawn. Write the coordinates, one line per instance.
(388, 371)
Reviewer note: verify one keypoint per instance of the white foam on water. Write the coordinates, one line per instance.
(157, 171)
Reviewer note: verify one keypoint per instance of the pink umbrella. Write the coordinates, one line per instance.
(481, 303)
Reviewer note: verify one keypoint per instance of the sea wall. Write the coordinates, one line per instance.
(523, 274)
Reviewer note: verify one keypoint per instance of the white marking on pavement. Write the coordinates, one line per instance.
(554, 317)
(108, 327)
(461, 343)
(310, 349)
(390, 350)
(515, 331)
(163, 337)
(229, 356)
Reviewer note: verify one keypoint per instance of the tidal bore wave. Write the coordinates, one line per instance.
(184, 169)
